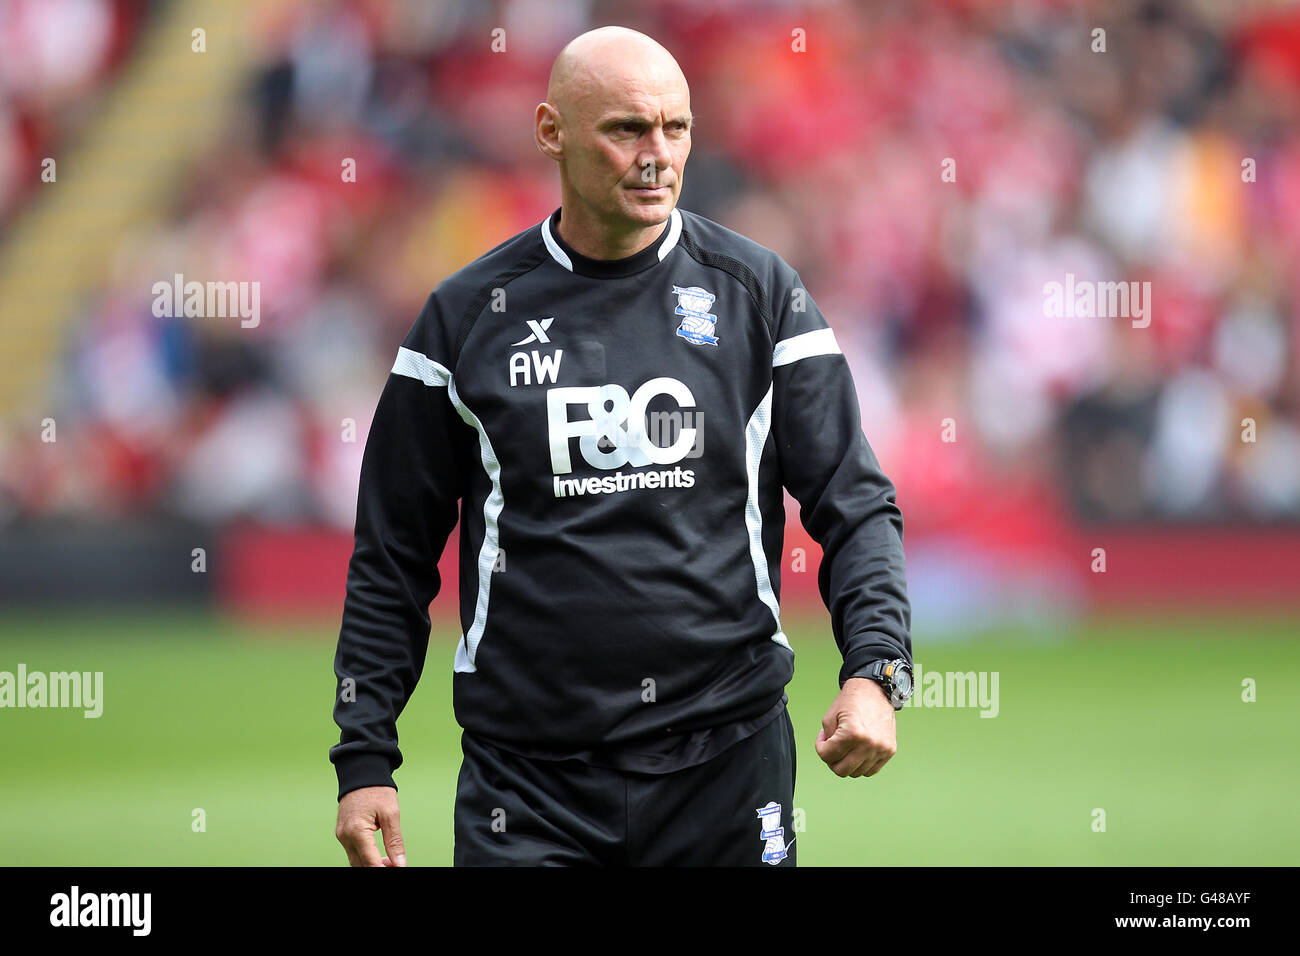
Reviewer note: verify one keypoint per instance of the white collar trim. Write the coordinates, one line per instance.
(559, 255)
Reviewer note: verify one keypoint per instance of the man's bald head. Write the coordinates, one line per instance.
(608, 56)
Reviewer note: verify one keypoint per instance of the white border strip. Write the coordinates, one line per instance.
(556, 252)
(674, 233)
(487, 554)
(816, 342)
(413, 364)
(755, 438)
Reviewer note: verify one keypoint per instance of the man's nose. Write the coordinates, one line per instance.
(655, 155)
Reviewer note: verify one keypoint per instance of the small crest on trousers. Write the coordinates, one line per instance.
(772, 833)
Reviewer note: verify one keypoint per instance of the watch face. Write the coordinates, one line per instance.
(903, 681)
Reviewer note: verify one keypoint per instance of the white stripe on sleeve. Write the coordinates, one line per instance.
(817, 342)
(412, 364)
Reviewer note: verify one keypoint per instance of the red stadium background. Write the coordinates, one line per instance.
(1047, 467)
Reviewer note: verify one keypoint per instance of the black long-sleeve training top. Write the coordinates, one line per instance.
(616, 435)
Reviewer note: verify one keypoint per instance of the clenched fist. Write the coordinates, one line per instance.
(859, 733)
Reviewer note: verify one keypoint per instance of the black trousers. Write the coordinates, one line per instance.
(733, 810)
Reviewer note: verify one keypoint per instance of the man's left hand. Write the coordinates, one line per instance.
(859, 733)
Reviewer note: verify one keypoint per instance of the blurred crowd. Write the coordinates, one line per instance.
(56, 59)
(927, 167)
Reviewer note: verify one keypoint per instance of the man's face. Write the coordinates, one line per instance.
(624, 154)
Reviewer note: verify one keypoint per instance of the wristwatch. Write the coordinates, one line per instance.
(895, 677)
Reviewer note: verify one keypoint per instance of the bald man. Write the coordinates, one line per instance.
(615, 398)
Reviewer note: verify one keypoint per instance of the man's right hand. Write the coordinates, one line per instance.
(361, 813)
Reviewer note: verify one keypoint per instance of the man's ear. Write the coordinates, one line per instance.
(547, 127)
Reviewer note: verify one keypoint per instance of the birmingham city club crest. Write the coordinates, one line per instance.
(772, 833)
(697, 321)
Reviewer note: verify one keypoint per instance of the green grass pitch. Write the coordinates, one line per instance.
(1141, 718)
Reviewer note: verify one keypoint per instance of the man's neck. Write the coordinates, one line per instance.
(595, 240)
